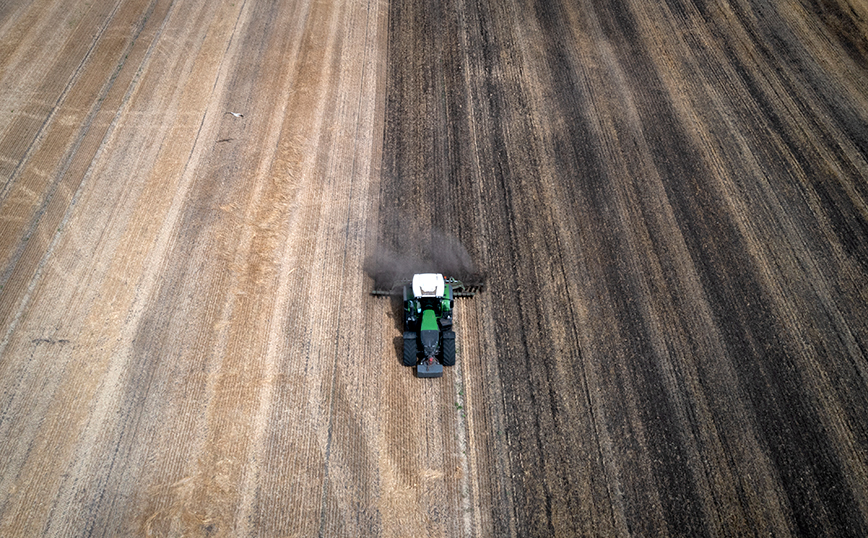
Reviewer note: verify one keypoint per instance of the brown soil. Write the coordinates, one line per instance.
(669, 200)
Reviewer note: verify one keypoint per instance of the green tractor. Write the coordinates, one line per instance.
(428, 324)
(429, 338)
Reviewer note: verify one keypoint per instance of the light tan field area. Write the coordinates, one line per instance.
(184, 316)
(669, 201)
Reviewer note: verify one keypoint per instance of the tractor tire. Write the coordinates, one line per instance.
(410, 348)
(448, 343)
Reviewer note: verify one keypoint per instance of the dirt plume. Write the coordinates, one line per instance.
(420, 251)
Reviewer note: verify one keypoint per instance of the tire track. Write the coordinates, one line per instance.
(51, 94)
(74, 372)
(105, 83)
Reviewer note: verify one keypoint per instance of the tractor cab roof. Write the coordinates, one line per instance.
(428, 285)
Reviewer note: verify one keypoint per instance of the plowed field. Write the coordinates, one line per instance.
(669, 201)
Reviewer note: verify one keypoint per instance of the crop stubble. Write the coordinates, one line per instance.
(170, 342)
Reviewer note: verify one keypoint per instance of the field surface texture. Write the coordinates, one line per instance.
(668, 200)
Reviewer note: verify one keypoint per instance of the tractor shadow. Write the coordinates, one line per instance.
(396, 304)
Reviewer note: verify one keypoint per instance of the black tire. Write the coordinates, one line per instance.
(410, 349)
(448, 343)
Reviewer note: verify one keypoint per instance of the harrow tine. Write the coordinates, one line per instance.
(465, 293)
(383, 293)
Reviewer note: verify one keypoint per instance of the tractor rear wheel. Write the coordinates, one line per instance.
(448, 344)
(410, 348)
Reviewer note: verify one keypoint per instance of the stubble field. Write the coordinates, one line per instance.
(668, 201)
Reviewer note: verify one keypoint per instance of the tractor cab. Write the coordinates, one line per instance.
(432, 292)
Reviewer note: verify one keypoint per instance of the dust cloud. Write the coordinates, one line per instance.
(420, 251)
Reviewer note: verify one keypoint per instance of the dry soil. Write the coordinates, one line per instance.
(669, 201)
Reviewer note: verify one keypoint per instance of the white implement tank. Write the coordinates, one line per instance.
(428, 285)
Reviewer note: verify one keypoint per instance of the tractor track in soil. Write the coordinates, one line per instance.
(668, 200)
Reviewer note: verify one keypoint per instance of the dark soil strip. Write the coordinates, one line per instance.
(548, 137)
